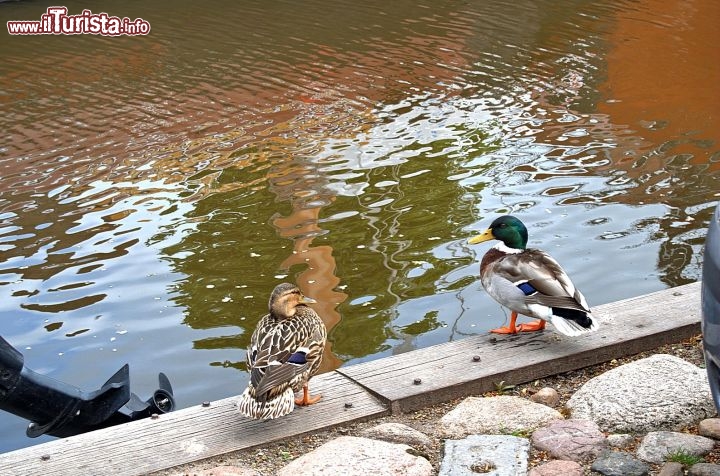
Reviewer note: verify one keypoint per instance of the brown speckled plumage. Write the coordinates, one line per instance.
(285, 351)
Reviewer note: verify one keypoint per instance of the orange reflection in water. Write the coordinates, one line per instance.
(318, 281)
(663, 71)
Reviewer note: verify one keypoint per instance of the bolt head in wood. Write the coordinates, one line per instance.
(417, 381)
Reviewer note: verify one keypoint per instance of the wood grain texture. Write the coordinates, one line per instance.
(189, 435)
(447, 371)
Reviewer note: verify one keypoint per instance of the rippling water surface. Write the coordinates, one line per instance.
(154, 189)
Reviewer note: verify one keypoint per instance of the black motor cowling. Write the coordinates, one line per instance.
(58, 409)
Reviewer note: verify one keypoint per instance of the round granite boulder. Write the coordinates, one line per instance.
(661, 392)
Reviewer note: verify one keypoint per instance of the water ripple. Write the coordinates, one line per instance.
(152, 190)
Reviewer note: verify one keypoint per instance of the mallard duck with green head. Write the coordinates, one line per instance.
(285, 351)
(530, 282)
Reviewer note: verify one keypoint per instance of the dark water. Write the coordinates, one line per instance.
(154, 189)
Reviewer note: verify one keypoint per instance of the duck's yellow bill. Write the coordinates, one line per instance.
(486, 235)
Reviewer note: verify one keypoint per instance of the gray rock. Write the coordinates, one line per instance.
(710, 428)
(355, 455)
(575, 440)
(704, 469)
(658, 444)
(671, 469)
(495, 415)
(398, 433)
(547, 396)
(491, 455)
(613, 463)
(620, 440)
(223, 470)
(557, 468)
(661, 392)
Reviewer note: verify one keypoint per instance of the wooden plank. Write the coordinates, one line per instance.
(189, 435)
(448, 371)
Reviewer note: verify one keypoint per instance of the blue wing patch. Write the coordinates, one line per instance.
(527, 288)
(299, 358)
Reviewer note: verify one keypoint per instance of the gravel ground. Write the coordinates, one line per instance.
(267, 460)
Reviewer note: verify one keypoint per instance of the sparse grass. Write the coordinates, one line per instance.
(502, 388)
(285, 455)
(684, 458)
(522, 433)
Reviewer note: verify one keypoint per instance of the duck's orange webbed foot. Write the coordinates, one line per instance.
(532, 326)
(510, 328)
(307, 399)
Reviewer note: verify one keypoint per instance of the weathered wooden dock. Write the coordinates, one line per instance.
(395, 384)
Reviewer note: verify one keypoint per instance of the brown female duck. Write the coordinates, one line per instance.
(285, 351)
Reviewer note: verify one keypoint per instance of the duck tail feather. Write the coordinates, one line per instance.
(266, 409)
(571, 328)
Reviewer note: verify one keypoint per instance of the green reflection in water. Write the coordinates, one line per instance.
(385, 241)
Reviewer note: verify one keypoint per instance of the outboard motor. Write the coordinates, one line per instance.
(58, 409)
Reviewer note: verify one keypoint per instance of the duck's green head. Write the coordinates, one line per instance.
(507, 229)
